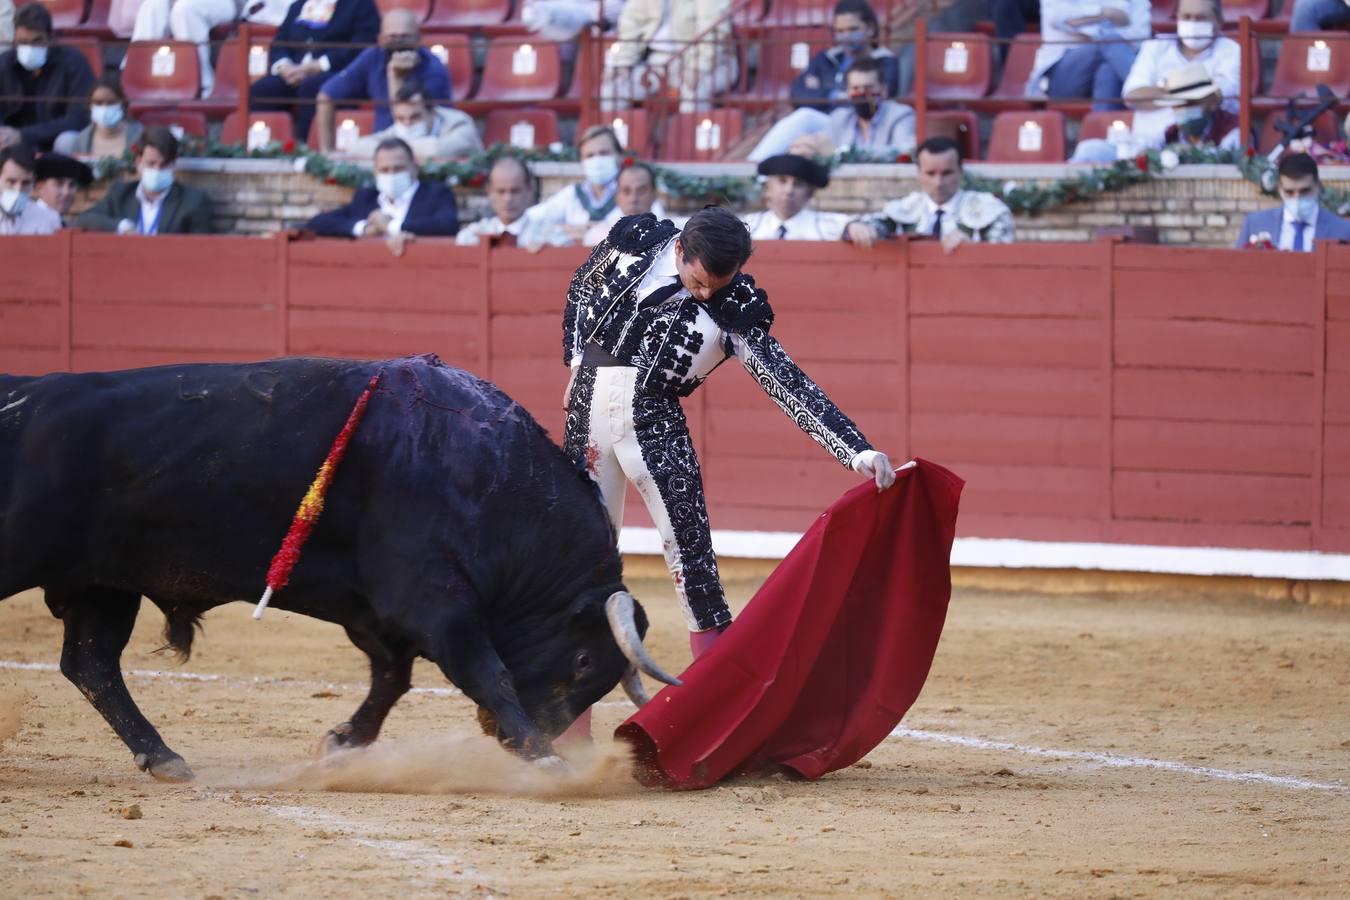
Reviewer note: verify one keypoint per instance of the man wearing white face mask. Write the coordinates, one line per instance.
(155, 203)
(576, 207)
(43, 85)
(1300, 221)
(433, 132)
(396, 208)
(18, 213)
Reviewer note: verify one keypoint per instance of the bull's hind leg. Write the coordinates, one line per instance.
(390, 678)
(98, 625)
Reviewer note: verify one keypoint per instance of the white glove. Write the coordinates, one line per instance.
(876, 465)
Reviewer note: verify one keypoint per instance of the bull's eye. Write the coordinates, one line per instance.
(583, 661)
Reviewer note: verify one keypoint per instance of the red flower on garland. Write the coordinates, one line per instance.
(627, 162)
(1141, 161)
(288, 146)
(477, 179)
(904, 158)
(1251, 151)
(330, 180)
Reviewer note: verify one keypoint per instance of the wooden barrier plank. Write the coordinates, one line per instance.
(1336, 449)
(433, 275)
(976, 340)
(1235, 448)
(35, 325)
(32, 268)
(183, 270)
(1213, 396)
(1026, 528)
(109, 359)
(1208, 534)
(745, 432)
(1212, 497)
(1035, 292)
(1336, 501)
(738, 517)
(527, 336)
(524, 282)
(760, 481)
(1214, 345)
(378, 333)
(1005, 390)
(1207, 260)
(1338, 346)
(839, 336)
(1338, 398)
(856, 387)
(30, 361)
(154, 326)
(993, 439)
(1051, 492)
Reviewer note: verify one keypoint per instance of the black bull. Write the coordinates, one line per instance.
(455, 530)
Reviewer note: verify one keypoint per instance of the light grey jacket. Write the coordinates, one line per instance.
(892, 133)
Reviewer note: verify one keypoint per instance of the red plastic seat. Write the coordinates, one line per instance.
(193, 123)
(1164, 14)
(1324, 130)
(501, 127)
(90, 48)
(507, 77)
(1256, 10)
(419, 8)
(961, 125)
(701, 136)
(784, 54)
(231, 77)
(453, 50)
(1011, 92)
(1097, 125)
(177, 80)
(363, 119)
(95, 23)
(1006, 144)
(468, 13)
(784, 13)
(960, 66)
(279, 123)
(1294, 76)
(66, 13)
(633, 127)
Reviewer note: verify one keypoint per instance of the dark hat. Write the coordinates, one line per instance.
(58, 165)
(803, 167)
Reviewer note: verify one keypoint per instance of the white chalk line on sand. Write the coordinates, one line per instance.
(1114, 760)
(1104, 759)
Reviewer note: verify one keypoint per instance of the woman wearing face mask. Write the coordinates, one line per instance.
(111, 130)
(155, 203)
(1197, 41)
(577, 206)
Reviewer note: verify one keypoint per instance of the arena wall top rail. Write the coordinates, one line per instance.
(1105, 395)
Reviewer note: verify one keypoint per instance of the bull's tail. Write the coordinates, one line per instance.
(180, 627)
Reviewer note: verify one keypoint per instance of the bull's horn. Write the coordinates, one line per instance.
(619, 611)
(632, 686)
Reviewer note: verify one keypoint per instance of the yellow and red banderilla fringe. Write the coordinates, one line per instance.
(279, 572)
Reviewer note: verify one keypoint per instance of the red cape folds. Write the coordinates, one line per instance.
(829, 655)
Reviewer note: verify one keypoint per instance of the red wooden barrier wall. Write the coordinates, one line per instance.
(1106, 392)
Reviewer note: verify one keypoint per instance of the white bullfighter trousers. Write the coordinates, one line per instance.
(617, 432)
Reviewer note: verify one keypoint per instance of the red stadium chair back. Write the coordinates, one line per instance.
(520, 72)
(1234, 10)
(90, 48)
(1027, 136)
(784, 54)
(632, 126)
(157, 71)
(276, 126)
(362, 119)
(1097, 125)
(419, 8)
(960, 66)
(468, 13)
(229, 78)
(701, 136)
(191, 123)
(527, 129)
(1164, 14)
(65, 13)
(796, 13)
(1309, 59)
(961, 125)
(1017, 67)
(453, 50)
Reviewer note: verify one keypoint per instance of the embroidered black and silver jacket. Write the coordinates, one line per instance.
(676, 343)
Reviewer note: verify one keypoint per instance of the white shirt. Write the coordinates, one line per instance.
(35, 218)
(395, 208)
(600, 230)
(1287, 232)
(150, 210)
(1221, 59)
(948, 214)
(807, 225)
(525, 228)
(563, 208)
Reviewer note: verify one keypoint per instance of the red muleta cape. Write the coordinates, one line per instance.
(829, 655)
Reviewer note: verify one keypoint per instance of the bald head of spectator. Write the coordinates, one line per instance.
(510, 188)
(399, 30)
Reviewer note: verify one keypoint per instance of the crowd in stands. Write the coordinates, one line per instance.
(327, 56)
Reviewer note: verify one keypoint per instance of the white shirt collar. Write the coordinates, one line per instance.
(662, 272)
(1312, 220)
(948, 208)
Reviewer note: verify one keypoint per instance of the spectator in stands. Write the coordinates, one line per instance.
(790, 181)
(1192, 104)
(6, 24)
(940, 208)
(187, 20)
(301, 60)
(397, 208)
(58, 179)
(377, 73)
(37, 80)
(1319, 15)
(636, 194)
(857, 35)
(511, 191)
(1197, 42)
(434, 132)
(652, 33)
(871, 122)
(1301, 219)
(1108, 32)
(156, 203)
(111, 130)
(1010, 19)
(18, 214)
(563, 20)
(576, 207)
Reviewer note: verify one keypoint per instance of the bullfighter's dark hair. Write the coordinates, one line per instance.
(34, 17)
(162, 139)
(20, 154)
(938, 145)
(393, 143)
(718, 239)
(1298, 165)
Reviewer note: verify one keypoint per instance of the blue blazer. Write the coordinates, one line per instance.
(353, 22)
(1330, 227)
(432, 213)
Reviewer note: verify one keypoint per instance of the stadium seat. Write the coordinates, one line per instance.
(191, 123)
(419, 8)
(527, 129)
(224, 95)
(89, 46)
(1256, 10)
(700, 136)
(278, 124)
(65, 13)
(796, 13)
(1307, 60)
(161, 72)
(961, 125)
(747, 14)
(1027, 136)
(1324, 130)
(960, 66)
(633, 126)
(468, 13)
(520, 72)
(576, 84)
(362, 119)
(1164, 15)
(453, 50)
(1097, 124)
(784, 54)
(94, 24)
(1011, 92)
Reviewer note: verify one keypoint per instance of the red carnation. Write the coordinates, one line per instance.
(1142, 162)
(288, 146)
(477, 179)
(627, 162)
(904, 158)
(330, 180)
(1251, 151)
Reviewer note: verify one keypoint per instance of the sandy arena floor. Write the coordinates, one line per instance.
(1064, 746)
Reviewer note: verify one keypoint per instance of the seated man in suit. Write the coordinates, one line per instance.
(155, 203)
(397, 207)
(1301, 220)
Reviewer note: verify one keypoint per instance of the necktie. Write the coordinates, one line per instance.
(1299, 229)
(663, 293)
(782, 232)
(937, 224)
